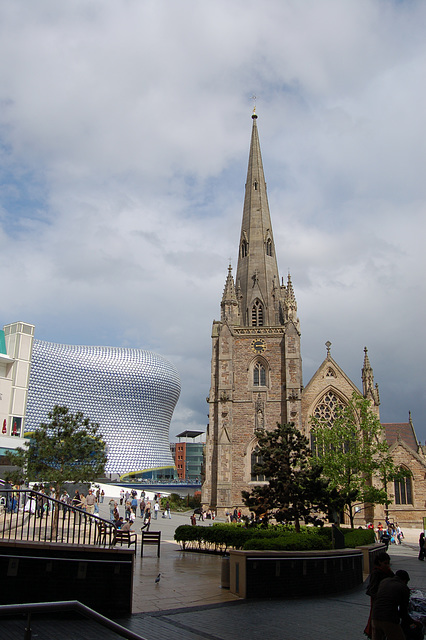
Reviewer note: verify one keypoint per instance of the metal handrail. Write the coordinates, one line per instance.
(67, 605)
(33, 516)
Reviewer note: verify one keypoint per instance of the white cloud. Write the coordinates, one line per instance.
(124, 135)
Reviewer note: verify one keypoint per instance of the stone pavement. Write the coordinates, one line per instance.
(189, 604)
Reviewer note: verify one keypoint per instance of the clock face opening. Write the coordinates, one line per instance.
(258, 345)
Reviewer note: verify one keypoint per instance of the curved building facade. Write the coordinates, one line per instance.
(131, 393)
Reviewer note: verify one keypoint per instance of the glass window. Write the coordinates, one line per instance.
(403, 491)
(259, 375)
(256, 459)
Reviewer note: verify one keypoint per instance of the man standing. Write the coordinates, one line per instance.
(390, 606)
(156, 509)
(112, 505)
(90, 502)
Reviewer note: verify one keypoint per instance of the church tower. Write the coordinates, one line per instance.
(256, 373)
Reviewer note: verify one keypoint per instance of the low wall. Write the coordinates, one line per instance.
(370, 551)
(102, 579)
(293, 574)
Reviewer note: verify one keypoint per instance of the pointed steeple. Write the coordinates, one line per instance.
(257, 270)
(229, 304)
(369, 389)
(290, 304)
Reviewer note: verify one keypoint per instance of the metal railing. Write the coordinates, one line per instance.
(72, 605)
(32, 516)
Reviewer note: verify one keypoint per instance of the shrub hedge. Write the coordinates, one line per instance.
(220, 537)
(359, 537)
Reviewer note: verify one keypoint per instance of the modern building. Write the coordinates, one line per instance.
(256, 371)
(130, 393)
(189, 455)
(15, 354)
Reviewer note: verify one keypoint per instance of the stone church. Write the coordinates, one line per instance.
(256, 372)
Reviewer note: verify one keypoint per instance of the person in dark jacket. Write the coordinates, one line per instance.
(422, 546)
(390, 607)
(381, 570)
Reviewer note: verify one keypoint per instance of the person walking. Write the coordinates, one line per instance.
(76, 500)
(112, 504)
(422, 546)
(147, 519)
(156, 509)
(127, 509)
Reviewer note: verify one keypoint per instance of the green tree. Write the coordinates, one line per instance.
(354, 454)
(295, 488)
(68, 448)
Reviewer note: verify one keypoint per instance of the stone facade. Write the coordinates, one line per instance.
(411, 513)
(256, 374)
(256, 371)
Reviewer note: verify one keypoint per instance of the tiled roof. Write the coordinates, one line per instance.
(403, 429)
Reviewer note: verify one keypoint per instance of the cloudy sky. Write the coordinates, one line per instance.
(124, 138)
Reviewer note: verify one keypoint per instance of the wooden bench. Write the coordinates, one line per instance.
(151, 537)
(126, 537)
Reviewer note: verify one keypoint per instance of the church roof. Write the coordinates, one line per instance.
(404, 430)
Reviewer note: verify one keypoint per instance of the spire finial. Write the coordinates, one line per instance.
(328, 345)
(254, 115)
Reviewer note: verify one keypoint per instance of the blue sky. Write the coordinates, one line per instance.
(124, 137)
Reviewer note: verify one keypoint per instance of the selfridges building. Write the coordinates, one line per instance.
(131, 393)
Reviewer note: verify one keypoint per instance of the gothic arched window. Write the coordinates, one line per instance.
(327, 407)
(256, 459)
(244, 248)
(259, 375)
(269, 247)
(257, 314)
(403, 489)
(326, 411)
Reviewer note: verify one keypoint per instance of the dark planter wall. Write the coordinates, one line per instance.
(294, 575)
(101, 579)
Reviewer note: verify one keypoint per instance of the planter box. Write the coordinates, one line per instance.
(294, 574)
(100, 578)
(370, 552)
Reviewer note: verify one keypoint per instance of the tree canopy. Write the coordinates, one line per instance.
(295, 488)
(354, 454)
(68, 448)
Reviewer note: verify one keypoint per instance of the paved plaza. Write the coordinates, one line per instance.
(189, 604)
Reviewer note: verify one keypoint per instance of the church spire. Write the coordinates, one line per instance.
(257, 270)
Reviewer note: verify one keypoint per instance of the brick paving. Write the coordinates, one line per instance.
(189, 604)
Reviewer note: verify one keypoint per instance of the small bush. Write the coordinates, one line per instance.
(221, 537)
(358, 537)
(290, 541)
